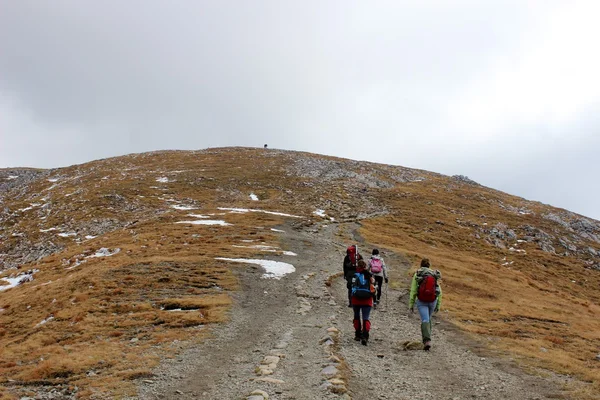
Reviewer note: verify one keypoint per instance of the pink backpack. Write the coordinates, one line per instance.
(376, 265)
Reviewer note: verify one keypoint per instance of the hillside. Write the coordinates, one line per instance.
(110, 268)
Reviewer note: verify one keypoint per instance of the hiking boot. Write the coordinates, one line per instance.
(365, 338)
(426, 331)
(427, 345)
(357, 335)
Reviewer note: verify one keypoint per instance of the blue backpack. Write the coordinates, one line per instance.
(361, 287)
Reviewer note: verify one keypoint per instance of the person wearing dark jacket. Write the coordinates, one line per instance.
(350, 269)
(362, 305)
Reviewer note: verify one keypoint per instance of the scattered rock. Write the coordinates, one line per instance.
(269, 380)
(330, 371)
(261, 393)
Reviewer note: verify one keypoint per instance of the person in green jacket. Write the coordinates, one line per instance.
(426, 293)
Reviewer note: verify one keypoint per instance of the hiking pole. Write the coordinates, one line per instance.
(386, 296)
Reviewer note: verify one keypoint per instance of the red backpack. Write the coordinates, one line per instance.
(352, 252)
(427, 289)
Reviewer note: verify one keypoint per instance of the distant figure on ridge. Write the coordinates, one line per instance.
(425, 290)
(379, 272)
(350, 262)
(265, 146)
(362, 301)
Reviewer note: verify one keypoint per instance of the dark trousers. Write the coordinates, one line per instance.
(379, 281)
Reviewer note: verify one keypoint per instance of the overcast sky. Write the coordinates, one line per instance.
(505, 92)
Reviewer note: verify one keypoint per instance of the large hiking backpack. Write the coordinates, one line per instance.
(352, 252)
(427, 289)
(376, 265)
(361, 286)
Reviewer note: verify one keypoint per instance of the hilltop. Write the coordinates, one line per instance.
(112, 267)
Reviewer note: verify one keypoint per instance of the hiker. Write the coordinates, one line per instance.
(350, 261)
(379, 272)
(362, 301)
(426, 292)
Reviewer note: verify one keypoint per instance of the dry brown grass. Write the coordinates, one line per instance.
(111, 315)
(117, 316)
(529, 309)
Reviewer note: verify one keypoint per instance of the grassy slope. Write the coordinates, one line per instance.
(107, 302)
(530, 308)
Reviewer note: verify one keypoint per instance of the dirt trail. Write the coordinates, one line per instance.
(283, 326)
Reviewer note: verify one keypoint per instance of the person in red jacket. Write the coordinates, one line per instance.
(362, 301)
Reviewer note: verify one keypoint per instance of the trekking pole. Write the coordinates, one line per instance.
(386, 296)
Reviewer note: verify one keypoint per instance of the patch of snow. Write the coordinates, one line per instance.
(320, 213)
(47, 230)
(31, 206)
(52, 180)
(16, 281)
(104, 252)
(50, 318)
(205, 222)
(162, 179)
(89, 237)
(11, 177)
(289, 253)
(257, 246)
(245, 210)
(274, 269)
(277, 230)
(253, 197)
(198, 216)
(67, 234)
(180, 207)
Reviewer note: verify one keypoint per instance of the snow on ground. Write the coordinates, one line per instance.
(50, 318)
(16, 281)
(162, 179)
(277, 230)
(253, 197)
(274, 269)
(52, 180)
(320, 213)
(198, 216)
(266, 248)
(205, 222)
(89, 237)
(47, 230)
(180, 207)
(104, 252)
(245, 210)
(257, 246)
(31, 206)
(11, 177)
(67, 234)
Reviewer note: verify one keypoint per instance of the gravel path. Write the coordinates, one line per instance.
(293, 339)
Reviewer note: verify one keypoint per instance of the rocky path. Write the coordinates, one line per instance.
(293, 339)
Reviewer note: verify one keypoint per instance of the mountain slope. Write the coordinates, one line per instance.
(104, 259)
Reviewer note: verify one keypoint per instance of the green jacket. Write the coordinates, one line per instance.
(414, 288)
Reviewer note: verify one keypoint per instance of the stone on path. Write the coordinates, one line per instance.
(330, 371)
(270, 360)
(269, 380)
(260, 394)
